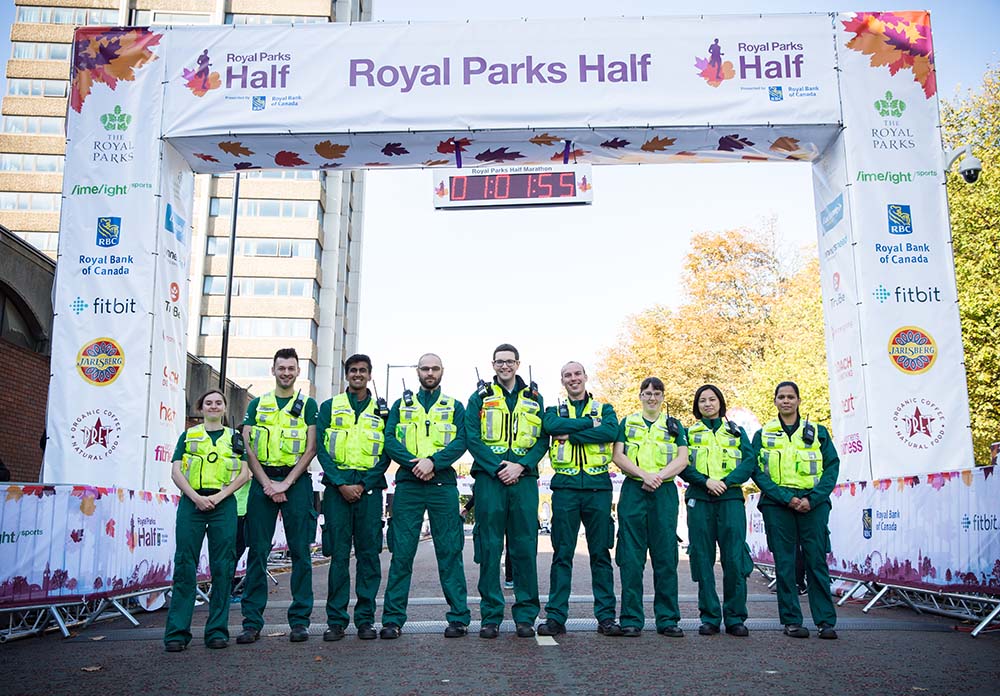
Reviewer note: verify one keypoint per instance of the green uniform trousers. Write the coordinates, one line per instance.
(408, 506)
(358, 524)
(510, 510)
(192, 526)
(722, 522)
(593, 508)
(647, 521)
(785, 530)
(299, 520)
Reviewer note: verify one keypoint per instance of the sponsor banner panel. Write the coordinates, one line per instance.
(389, 77)
(939, 531)
(107, 244)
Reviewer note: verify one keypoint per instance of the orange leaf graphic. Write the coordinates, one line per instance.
(87, 505)
(330, 150)
(435, 163)
(574, 154)
(658, 144)
(235, 148)
(14, 493)
(545, 139)
(785, 144)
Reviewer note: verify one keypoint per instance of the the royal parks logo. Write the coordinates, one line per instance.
(832, 214)
(866, 523)
(109, 231)
(104, 306)
(908, 295)
(115, 147)
(95, 434)
(912, 350)
(116, 120)
(100, 361)
(768, 60)
(900, 219)
(891, 134)
(918, 423)
(852, 444)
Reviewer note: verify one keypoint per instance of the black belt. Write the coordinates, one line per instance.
(276, 471)
(208, 491)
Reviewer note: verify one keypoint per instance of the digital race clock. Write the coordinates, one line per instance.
(480, 187)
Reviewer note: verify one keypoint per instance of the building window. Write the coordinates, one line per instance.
(43, 241)
(264, 287)
(257, 369)
(307, 175)
(30, 14)
(283, 248)
(34, 125)
(141, 18)
(265, 207)
(261, 327)
(14, 327)
(14, 162)
(39, 202)
(23, 87)
(273, 19)
(30, 50)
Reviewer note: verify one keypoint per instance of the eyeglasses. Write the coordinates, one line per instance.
(651, 395)
(429, 368)
(504, 363)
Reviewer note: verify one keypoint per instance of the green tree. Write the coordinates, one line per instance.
(975, 229)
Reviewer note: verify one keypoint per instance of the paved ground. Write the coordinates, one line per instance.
(889, 651)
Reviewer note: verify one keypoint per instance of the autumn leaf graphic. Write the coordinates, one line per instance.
(87, 505)
(573, 154)
(392, 149)
(435, 163)
(239, 166)
(109, 528)
(235, 149)
(897, 41)
(13, 493)
(207, 158)
(376, 164)
(329, 165)
(658, 144)
(76, 535)
(732, 143)
(285, 158)
(545, 139)
(330, 150)
(615, 143)
(785, 144)
(447, 147)
(498, 155)
(105, 56)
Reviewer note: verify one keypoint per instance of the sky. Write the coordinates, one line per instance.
(574, 274)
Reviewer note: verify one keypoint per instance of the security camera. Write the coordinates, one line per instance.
(969, 168)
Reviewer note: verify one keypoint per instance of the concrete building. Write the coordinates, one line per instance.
(298, 253)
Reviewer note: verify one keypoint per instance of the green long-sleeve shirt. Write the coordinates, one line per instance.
(371, 479)
(581, 431)
(444, 474)
(773, 494)
(484, 460)
(696, 480)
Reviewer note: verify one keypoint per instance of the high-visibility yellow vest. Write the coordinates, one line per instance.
(651, 447)
(789, 461)
(502, 429)
(424, 433)
(208, 464)
(278, 437)
(354, 441)
(714, 454)
(592, 458)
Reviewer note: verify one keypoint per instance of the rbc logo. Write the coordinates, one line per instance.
(775, 93)
(900, 219)
(258, 103)
(109, 230)
(866, 523)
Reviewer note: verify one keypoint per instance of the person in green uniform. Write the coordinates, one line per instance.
(651, 449)
(280, 427)
(242, 495)
(425, 435)
(797, 470)
(583, 433)
(352, 454)
(208, 468)
(721, 460)
(503, 428)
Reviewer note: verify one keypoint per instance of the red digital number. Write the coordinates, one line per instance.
(567, 183)
(505, 180)
(544, 186)
(455, 181)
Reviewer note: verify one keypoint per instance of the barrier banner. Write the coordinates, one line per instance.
(935, 532)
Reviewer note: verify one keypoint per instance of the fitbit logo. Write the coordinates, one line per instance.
(908, 295)
(980, 523)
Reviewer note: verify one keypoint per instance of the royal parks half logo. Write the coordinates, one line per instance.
(95, 434)
(109, 231)
(918, 423)
(912, 350)
(258, 71)
(100, 361)
(764, 61)
(891, 134)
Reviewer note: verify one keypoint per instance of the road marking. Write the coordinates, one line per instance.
(546, 640)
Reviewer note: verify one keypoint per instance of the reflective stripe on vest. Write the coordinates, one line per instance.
(789, 461)
(425, 433)
(651, 447)
(206, 464)
(354, 441)
(714, 454)
(502, 429)
(278, 438)
(591, 458)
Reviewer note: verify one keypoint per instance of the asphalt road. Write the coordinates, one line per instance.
(889, 651)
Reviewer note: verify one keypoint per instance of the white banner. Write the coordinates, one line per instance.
(938, 531)
(384, 77)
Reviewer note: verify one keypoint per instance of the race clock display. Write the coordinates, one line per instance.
(480, 187)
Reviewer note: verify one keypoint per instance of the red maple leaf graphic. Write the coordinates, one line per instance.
(76, 535)
(285, 158)
(105, 56)
(207, 158)
(447, 147)
(109, 528)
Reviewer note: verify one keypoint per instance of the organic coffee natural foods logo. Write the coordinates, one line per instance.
(918, 423)
(100, 361)
(109, 231)
(892, 134)
(117, 120)
(95, 434)
(912, 350)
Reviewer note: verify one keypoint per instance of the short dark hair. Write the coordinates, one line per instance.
(506, 347)
(284, 354)
(200, 403)
(718, 395)
(655, 382)
(787, 383)
(357, 358)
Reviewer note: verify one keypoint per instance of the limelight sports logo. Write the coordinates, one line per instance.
(900, 219)
(95, 434)
(109, 231)
(100, 361)
(912, 350)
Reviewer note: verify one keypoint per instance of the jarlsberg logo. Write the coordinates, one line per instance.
(912, 350)
(100, 361)
(95, 434)
(764, 61)
(918, 423)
